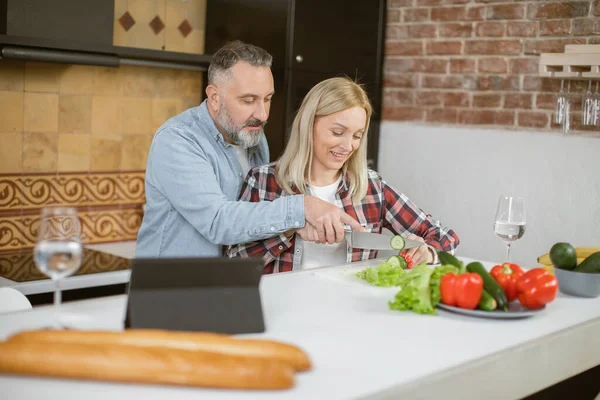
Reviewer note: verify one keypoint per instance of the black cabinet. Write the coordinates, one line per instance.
(310, 40)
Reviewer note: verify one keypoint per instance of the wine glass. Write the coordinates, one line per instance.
(58, 251)
(510, 220)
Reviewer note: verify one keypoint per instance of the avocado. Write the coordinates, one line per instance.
(590, 265)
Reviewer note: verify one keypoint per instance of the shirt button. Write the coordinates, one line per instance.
(297, 251)
(296, 223)
(280, 247)
(272, 228)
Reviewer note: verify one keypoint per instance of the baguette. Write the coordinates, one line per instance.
(200, 341)
(151, 365)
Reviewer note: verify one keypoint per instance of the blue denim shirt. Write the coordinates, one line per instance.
(193, 179)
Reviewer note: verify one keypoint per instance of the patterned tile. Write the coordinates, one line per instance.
(33, 191)
(126, 21)
(97, 225)
(185, 28)
(157, 25)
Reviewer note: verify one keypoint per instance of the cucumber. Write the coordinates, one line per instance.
(449, 259)
(397, 242)
(397, 261)
(590, 265)
(489, 284)
(487, 302)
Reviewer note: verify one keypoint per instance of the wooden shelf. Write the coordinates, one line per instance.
(578, 62)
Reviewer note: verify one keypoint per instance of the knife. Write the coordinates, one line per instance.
(376, 241)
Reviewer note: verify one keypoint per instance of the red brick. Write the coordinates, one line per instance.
(537, 84)
(490, 29)
(393, 16)
(518, 100)
(399, 3)
(438, 48)
(422, 31)
(556, 10)
(441, 115)
(416, 14)
(486, 117)
(448, 82)
(401, 81)
(495, 1)
(533, 119)
(396, 32)
(524, 66)
(545, 101)
(462, 65)
(429, 2)
(456, 30)
(505, 11)
(393, 97)
(404, 48)
(596, 8)
(555, 27)
(586, 27)
(495, 65)
(403, 113)
(476, 13)
(533, 46)
(508, 47)
(521, 29)
(594, 40)
(487, 100)
(498, 83)
(428, 99)
(458, 99)
(400, 65)
(449, 14)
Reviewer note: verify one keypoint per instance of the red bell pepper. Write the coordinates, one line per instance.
(507, 276)
(536, 288)
(462, 290)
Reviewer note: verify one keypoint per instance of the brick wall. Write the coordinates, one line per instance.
(475, 62)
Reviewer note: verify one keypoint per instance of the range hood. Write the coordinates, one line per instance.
(76, 32)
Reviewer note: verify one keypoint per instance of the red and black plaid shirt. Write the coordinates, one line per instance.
(382, 207)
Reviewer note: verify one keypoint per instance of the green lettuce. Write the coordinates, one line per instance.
(436, 277)
(415, 291)
(385, 274)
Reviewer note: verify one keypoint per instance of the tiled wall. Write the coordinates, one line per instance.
(79, 135)
(475, 62)
(171, 25)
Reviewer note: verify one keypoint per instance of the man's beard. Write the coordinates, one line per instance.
(244, 140)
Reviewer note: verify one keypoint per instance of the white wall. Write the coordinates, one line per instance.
(457, 174)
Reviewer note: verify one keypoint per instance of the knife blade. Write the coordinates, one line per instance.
(376, 241)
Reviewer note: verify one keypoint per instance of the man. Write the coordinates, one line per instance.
(199, 158)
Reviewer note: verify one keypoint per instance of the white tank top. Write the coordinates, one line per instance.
(324, 255)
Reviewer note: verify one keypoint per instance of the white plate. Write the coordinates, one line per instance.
(515, 310)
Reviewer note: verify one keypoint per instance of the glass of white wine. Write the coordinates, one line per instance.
(58, 251)
(510, 220)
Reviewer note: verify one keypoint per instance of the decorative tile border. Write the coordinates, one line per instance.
(109, 204)
(97, 226)
(29, 192)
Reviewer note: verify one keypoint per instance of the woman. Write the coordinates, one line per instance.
(327, 157)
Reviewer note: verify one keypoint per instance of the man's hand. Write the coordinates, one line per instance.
(327, 220)
(421, 254)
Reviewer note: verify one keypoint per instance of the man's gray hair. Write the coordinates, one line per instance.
(230, 54)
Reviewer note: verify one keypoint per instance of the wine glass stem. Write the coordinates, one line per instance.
(57, 300)
(507, 251)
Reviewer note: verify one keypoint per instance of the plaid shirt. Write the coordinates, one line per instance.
(382, 207)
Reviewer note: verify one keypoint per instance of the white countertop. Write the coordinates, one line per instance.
(121, 249)
(362, 349)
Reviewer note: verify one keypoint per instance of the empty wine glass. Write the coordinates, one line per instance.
(596, 107)
(58, 251)
(560, 104)
(510, 221)
(588, 107)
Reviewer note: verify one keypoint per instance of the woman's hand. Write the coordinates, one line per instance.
(421, 254)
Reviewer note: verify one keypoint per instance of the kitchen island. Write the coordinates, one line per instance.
(360, 348)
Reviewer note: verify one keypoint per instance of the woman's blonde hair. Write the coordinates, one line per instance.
(325, 98)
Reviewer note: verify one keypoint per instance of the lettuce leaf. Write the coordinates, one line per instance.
(436, 277)
(415, 292)
(385, 274)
